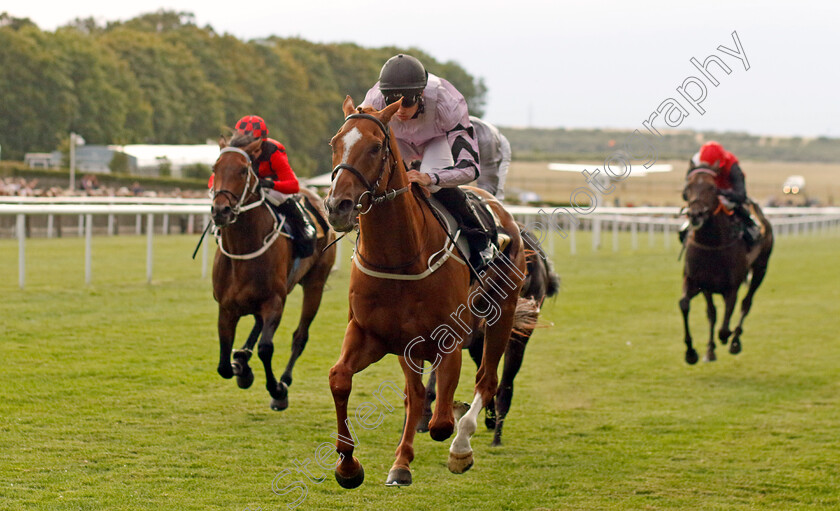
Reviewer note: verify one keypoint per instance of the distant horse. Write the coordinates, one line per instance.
(717, 260)
(254, 270)
(410, 294)
(540, 283)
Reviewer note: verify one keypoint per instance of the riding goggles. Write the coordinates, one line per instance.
(409, 99)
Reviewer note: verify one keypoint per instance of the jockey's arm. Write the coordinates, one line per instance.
(464, 149)
(503, 166)
(285, 181)
(738, 193)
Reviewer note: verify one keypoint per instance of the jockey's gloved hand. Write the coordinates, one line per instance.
(266, 183)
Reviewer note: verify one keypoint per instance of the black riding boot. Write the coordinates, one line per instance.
(481, 237)
(303, 231)
(751, 231)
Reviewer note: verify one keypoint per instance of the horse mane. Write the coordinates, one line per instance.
(240, 140)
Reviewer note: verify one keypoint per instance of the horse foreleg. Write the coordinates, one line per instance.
(356, 354)
(271, 319)
(400, 473)
(759, 271)
(685, 302)
(423, 424)
(313, 290)
(227, 330)
(243, 372)
(711, 314)
(514, 354)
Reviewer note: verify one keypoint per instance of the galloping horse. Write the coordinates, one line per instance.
(717, 260)
(540, 283)
(410, 295)
(254, 271)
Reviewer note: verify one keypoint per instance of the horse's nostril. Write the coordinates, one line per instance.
(345, 206)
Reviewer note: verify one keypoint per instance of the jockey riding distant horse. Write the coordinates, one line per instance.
(718, 259)
(255, 268)
(410, 292)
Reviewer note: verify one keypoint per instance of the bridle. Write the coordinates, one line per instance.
(249, 189)
(436, 260)
(371, 188)
(237, 207)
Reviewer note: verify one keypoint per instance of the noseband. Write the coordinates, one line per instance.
(236, 202)
(371, 188)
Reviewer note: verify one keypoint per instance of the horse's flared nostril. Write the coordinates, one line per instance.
(339, 207)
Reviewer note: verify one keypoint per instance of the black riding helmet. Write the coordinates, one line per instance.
(403, 76)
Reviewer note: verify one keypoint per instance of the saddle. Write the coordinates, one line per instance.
(500, 238)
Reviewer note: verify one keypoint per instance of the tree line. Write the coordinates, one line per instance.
(161, 79)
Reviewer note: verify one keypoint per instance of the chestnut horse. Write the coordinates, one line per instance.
(254, 271)
(410, 295)
(717, 260)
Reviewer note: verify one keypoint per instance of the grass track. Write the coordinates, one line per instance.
(110, 398)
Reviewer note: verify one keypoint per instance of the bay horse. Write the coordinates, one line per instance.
(717, 260)
(254, 270)
(540, 283)
(410, 294)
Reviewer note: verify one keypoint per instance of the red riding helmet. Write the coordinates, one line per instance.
(252, 125)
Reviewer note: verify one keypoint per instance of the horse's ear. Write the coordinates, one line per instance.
(386, 113)
(348, 106)
(222, 142)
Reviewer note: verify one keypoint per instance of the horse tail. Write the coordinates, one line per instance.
(542, 281)
(553, 285)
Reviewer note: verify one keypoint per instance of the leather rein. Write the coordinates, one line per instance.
(237, 207)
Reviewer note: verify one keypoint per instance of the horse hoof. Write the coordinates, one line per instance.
(459, 409)
(496, 442)
(710, 357)
(423, 424)
(353, 481)
(245, 381)
(287, 380)
(691, 356)
(398, 477)
(460, 463)
(441, 433)
(280, 398)
(724, 336)
(278, 405)
(225, 372)
(735, 347)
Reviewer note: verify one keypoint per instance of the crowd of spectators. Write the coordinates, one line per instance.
(88, 186)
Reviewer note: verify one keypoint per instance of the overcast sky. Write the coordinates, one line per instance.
(568, 64)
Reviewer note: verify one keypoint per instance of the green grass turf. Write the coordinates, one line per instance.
(110, 397)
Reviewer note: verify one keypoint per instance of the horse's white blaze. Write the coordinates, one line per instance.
(350, 139)
(466, 427)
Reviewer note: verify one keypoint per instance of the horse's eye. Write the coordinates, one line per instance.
(375, 149)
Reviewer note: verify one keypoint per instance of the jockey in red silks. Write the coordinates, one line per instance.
(271, 164)
(730, 182)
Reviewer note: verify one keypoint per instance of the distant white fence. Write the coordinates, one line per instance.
(786, 221)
